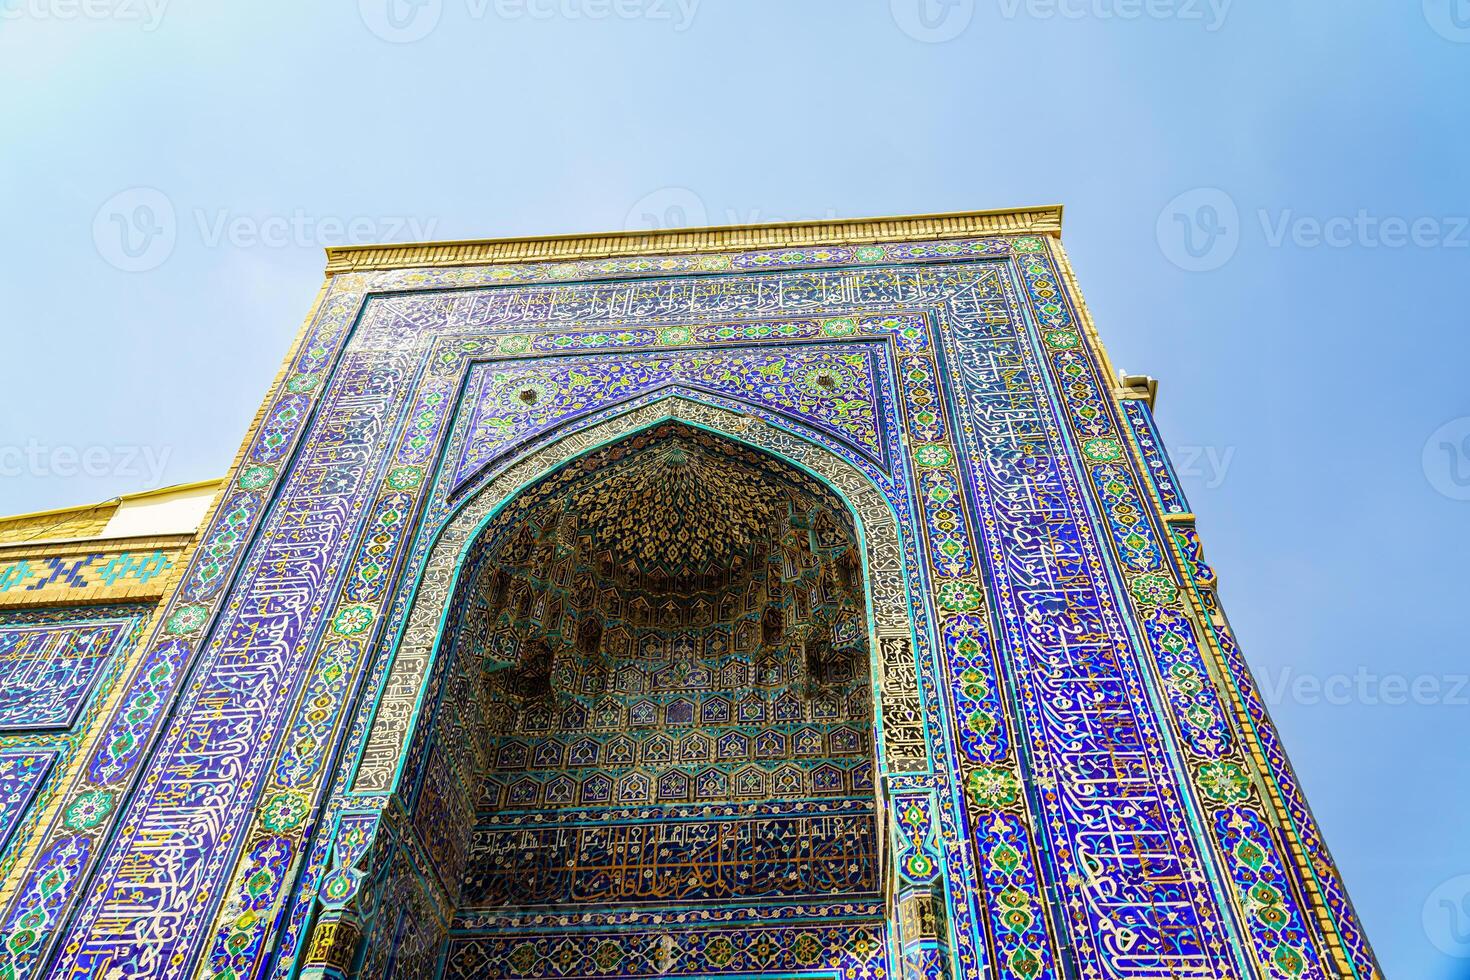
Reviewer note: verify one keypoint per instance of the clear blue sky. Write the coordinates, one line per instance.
(1304, 302)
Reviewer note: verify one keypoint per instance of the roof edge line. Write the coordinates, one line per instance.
(121, 498)
(1043, 219)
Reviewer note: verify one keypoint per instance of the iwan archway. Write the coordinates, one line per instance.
(648, 739)
(300, 771)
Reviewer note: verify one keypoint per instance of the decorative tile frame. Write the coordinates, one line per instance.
(1049, 597)
(63, 666)
(408, 698)
(23, 770)
(52, 665)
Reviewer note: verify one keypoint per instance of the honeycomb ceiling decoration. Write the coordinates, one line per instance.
(680, 509)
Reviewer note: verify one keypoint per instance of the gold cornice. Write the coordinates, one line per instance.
(53, 547)
(1046, 220)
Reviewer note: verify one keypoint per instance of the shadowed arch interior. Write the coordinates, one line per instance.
(713, 742)
(660, 694)
(430, 743)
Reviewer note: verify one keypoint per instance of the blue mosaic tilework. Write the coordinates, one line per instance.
(1095, 809)
(84, 572)
(22, 771)
(833, 386)
(1155, 457)
(49, 668)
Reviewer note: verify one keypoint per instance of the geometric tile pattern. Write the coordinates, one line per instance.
(21, 773)
(833, 389)
(85, 571)
(851, 948)
(57, 666)
(658, 734)
(49, 669)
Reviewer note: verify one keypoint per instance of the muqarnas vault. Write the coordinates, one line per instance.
(791, 601)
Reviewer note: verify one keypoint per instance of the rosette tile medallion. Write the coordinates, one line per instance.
(791, 601)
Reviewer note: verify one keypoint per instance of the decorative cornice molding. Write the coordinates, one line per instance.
(61, 547)
(1045, 220)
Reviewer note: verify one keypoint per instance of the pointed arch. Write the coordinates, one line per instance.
(399, 714)
(408, 786)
